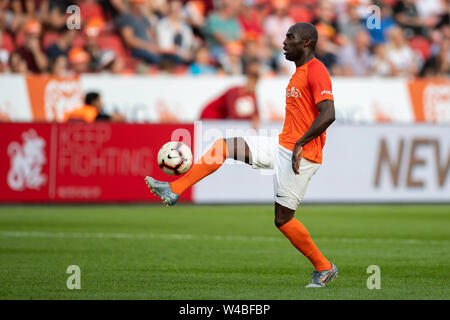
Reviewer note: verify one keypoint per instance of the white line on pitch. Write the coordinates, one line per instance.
(90, 235)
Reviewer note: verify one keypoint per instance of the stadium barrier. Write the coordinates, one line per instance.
(181, 98)
(107, 163)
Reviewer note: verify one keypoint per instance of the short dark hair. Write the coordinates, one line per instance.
(90, 97)
(308, 31)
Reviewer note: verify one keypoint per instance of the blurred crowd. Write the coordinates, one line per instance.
(356, 37)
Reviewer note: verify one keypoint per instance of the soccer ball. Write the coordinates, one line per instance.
(174, 158)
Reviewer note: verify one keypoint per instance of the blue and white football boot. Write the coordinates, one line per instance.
(162, 190)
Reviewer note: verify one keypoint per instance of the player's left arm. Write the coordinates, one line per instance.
(325, 118)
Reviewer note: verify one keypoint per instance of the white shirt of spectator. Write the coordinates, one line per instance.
(402, 59)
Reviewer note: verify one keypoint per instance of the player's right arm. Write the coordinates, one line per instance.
(325, 118)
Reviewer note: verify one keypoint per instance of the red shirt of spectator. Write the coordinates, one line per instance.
(235, 103)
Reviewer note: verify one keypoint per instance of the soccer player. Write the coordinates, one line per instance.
(295, 155)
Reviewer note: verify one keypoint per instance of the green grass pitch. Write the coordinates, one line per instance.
(220, 252)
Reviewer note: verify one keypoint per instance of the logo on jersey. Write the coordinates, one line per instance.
(326, 92)
(27, 161)
(293, 93)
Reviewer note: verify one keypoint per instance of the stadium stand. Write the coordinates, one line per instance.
(424, 26)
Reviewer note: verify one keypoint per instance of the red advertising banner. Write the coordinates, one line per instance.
(99, 162)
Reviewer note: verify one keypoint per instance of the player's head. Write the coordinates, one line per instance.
(93, 99)
(301, 39)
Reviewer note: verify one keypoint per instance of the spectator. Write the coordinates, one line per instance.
(90, 9)
(92, 30)
(17, 64)
(79, 60)
(237, 102)
(91, 111)
(100, 59)
(202, 63)
(175, 36)
(438, 65)
(63, 45)
(353, 24)
(354, 58)
(59, 66)
(430, 11)
(53, 13)
(326, 50)
(194, 11)
(113, 8)
(108, 61)
(326, 18)
(403, 59)
(257, 50)
(223, 27)
(250, 21)
(277, 24)
(4, 53)
(31, 50)
(232, 62)
(137, 34)
(407, 16)
(13, 15)
(379, 35)
(380, 65)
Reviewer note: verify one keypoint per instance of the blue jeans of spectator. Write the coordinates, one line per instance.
(173, 58)
(150, 58)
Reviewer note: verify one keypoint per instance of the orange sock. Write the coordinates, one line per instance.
(296, 232)
(210, 162)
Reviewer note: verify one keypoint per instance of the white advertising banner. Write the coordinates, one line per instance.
(372, 163)
(180, 99)
(357, 100)
(14, 102)
(158, 98)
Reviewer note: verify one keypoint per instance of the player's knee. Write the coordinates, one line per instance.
(282, 218)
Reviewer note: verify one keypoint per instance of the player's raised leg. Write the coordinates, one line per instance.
(235, 148)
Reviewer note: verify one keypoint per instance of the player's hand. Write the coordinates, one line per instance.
(296, 157)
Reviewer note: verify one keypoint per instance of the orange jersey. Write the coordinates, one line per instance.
(309, 85)
(85, 113)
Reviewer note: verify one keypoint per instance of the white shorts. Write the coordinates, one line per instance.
(289, 188)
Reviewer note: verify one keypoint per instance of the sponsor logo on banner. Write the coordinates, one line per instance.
(51, 97)
(430, 100)
(84, 162)
(436, 103)
(26, 162)
(399, 159)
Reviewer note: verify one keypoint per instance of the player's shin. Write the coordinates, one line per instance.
(299, 236)
(207, 164)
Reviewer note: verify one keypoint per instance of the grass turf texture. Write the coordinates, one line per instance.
(220, 252)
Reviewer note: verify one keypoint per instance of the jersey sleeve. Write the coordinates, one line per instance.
(320, 82)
